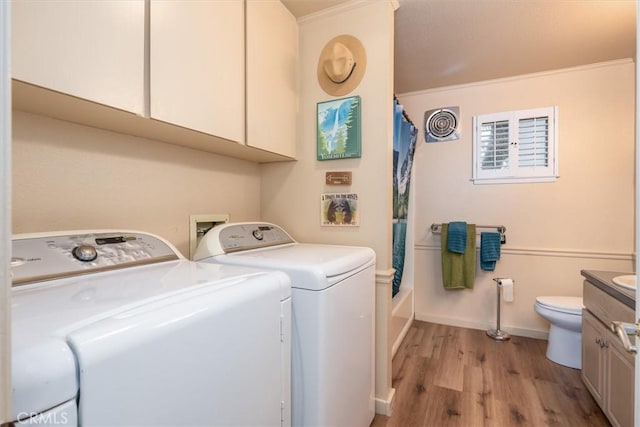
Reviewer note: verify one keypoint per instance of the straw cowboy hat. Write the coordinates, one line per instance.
(341, 65)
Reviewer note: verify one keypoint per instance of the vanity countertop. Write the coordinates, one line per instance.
(603, 280)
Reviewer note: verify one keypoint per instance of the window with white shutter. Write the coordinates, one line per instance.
(515, 146)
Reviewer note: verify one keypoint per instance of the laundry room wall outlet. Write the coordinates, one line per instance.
(199, 225)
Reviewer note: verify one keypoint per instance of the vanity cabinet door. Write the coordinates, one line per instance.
(196, 66)
(593, 355)
(607, 371)
(620, 366)
(92, 50)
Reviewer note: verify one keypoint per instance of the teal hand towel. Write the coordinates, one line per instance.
(457, 237)
(459, 269)
(489, 250)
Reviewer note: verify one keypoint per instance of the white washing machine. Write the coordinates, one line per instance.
(117, 328)
(333, 294)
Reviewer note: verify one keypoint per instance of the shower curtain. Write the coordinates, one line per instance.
(405, 135)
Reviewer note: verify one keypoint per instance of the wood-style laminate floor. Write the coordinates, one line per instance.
(450, 376)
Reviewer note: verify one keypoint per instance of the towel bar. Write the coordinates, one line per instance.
(437, 229)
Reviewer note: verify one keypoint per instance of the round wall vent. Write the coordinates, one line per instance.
(441, 124)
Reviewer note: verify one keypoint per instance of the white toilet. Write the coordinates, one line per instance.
(565, 334)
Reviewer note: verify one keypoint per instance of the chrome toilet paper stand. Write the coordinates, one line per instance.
(498, 334)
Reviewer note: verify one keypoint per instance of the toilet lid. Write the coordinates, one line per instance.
(571, 305)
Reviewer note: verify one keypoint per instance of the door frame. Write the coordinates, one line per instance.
(5, 211)
(636, 388)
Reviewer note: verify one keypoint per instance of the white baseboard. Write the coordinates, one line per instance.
(385, 406)
(531, 333)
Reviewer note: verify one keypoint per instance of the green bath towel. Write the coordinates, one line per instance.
(459, 270)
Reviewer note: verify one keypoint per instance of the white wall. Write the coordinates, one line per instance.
(291, 191)
(68, 176)
(585, 220)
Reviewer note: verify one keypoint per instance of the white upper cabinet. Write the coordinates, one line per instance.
(215, 75)
(197, 77)
(92, 50)
(272, 83)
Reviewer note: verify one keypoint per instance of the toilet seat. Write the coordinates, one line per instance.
(568, 305)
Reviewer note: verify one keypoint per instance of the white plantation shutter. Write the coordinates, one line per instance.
(494, 145)
(533, 142)
(515, 146)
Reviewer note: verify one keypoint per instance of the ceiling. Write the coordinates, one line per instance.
(449, 42)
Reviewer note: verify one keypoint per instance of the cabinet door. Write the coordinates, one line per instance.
(89, 49)
(620, 367)
(196, 65)
(593, 356)
(272, 63)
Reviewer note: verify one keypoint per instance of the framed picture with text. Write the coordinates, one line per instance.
(339, 129)
(338, 209)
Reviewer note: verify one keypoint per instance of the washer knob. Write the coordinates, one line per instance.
(85, 253)
(258, 234)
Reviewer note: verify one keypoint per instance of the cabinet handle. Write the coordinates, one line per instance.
(623, 330)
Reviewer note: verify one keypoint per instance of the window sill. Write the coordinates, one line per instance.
(511, 180)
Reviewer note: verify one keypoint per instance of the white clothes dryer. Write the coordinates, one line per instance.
(116, 328)
(333, 297)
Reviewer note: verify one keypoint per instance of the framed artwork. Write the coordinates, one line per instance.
(339, 209)
(339, 129)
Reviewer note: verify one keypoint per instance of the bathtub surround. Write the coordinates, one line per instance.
(555, 229)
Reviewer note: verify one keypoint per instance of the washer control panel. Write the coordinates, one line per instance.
(38, 257)
(240, 236)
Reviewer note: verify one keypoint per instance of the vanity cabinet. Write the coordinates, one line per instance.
(87, 49)
(607, 368)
